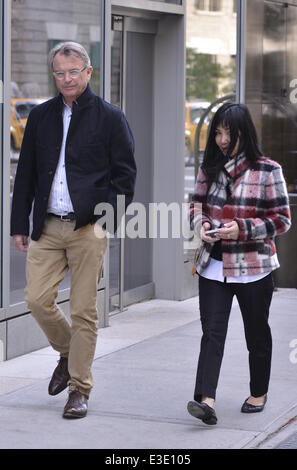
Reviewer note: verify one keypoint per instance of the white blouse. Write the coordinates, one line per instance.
(214, 272)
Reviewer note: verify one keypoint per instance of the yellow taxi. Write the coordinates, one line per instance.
(19, 112)
(194, 111)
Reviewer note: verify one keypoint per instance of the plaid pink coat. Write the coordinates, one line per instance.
(258, 203)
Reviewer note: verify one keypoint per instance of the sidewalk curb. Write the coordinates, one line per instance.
(276, 432)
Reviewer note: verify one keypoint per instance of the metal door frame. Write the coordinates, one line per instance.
(134, 24)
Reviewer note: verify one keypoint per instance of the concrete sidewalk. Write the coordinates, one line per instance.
(144, 375)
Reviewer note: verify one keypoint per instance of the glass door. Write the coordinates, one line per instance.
(132, 90)
(116, 245)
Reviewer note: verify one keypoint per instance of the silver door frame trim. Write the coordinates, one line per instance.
(139, 25)
(6, 155)
(2, 314)
(146, 7)
(132, 296)
(123, 221)
(107, 49)
(105, 93)
(241, 51)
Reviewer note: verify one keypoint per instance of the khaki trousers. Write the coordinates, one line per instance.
(61, 248)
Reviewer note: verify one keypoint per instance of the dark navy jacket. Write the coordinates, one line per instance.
(99, 160)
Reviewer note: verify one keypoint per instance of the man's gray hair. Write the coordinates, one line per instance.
(69, 48)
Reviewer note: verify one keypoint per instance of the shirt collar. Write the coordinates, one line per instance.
(66, 106)
(84, 100)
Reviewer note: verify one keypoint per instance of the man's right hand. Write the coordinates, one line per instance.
(20, 242)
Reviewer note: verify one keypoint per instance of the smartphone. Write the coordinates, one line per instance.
(211, 232)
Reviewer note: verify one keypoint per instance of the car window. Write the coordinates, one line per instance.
(195, 114)
(23, 109)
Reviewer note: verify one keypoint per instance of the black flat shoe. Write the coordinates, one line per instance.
(202, 411)
(248, 408)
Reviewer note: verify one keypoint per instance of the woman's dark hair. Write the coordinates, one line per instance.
(235, 117)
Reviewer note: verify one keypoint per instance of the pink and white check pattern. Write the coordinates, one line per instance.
(258, 203)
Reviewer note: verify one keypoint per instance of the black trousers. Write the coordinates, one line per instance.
(215, 301)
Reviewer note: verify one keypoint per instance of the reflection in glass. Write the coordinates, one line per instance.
(215, 5)
(278, 123)
(210, 75)
(116, 60)
(209, 5)
(116, 99)
(36, 27)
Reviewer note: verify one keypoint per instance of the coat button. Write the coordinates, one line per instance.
(50, 172)
(45, 198)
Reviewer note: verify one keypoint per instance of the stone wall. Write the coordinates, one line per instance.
(37, 25)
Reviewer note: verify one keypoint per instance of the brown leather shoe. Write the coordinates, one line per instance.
(60, 377)
(76, 406)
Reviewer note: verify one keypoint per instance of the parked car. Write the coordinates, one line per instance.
(19, 112)
(194, 111)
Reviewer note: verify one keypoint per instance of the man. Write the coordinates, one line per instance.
(77, 152)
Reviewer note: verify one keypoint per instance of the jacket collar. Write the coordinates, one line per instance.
(237, 165)
(84, 100)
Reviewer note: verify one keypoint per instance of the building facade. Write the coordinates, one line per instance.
(168, 65)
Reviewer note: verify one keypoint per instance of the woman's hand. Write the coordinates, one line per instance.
(230, 231)
(206, 226)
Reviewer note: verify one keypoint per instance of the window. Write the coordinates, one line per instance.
(175, 2)
(210, 80)
(215, 5)
(37, 26)
(201, 4)
(210, 75)
(209, 5)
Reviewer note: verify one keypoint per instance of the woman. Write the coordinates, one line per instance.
(245, 203)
